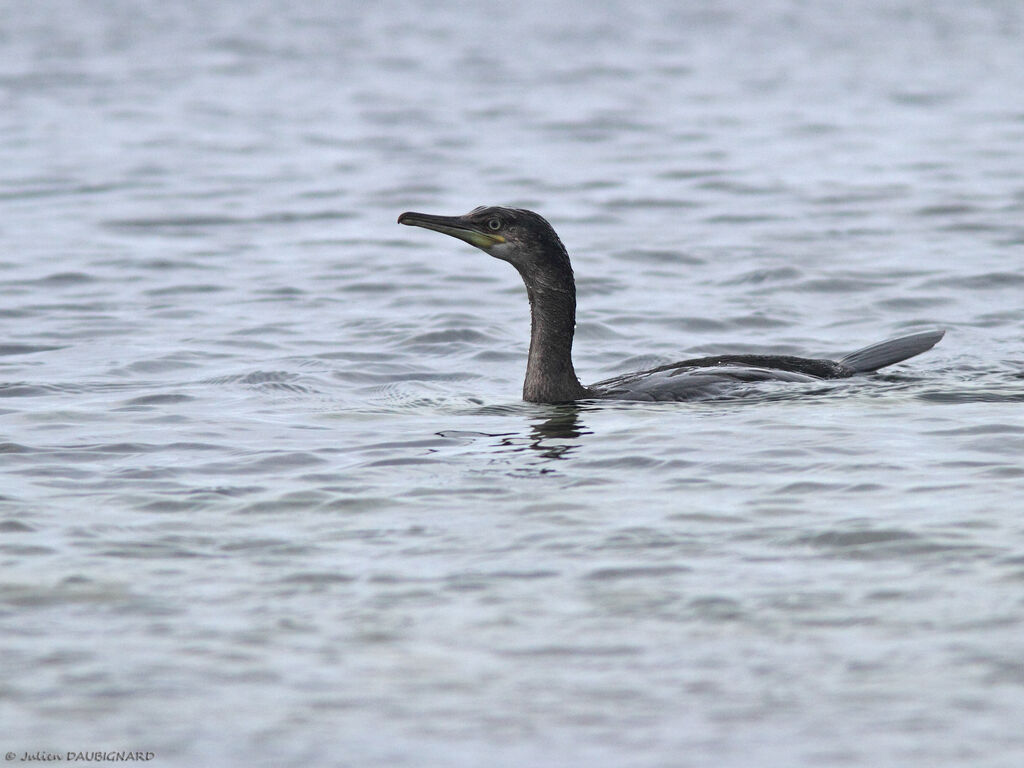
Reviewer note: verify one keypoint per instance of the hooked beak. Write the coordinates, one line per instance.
(456, 226)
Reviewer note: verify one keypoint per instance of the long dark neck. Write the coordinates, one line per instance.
(550, 377)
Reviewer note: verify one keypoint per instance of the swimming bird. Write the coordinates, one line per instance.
(529, 243)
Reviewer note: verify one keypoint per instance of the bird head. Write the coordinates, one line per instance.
(520, 237)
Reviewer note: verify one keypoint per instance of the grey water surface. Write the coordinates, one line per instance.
(268, 493)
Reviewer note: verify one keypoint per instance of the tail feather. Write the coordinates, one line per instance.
(892, 351)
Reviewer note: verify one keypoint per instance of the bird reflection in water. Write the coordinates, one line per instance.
(553, 437)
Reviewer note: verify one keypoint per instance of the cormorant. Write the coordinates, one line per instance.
(526, 241)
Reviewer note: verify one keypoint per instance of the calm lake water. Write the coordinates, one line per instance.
(269, 496)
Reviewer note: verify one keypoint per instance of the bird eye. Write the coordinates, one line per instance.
(494, 224)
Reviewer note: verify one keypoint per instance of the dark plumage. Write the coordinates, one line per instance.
(526, 241)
